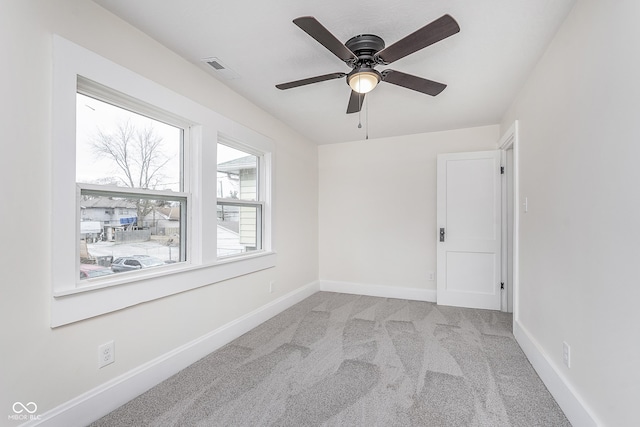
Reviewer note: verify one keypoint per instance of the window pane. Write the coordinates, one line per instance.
(239, 229)
(237, 174)
(118, 147)
(124, 234)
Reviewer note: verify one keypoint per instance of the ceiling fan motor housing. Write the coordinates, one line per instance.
(365, 46)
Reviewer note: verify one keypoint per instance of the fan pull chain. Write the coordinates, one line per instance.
(359, 110)
(367, 119)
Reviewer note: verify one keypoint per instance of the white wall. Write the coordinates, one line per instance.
(378, 206)
(50, 366)
(579, 153)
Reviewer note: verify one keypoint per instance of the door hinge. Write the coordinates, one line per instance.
(501, 285)
(501, 170)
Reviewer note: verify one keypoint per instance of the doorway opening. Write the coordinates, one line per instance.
(509, 146)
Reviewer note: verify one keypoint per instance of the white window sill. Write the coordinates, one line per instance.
(108, 295)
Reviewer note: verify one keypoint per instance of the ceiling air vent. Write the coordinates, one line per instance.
(220, 69)
(215, 64)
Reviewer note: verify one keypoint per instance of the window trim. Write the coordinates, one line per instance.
(70, 303)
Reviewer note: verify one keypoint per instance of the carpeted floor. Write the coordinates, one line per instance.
(348, 360)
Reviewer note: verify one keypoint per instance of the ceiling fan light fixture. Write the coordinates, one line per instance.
(363, 80)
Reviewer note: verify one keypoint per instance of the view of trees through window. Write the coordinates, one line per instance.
(127, 230)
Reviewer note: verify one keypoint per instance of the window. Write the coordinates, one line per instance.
(130, 176)
(239, 204)
(125, 231)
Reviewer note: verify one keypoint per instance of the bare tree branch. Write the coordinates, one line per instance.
(137, 155)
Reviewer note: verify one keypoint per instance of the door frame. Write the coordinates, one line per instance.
(510, 141)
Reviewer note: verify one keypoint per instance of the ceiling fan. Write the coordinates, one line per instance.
(366, 51)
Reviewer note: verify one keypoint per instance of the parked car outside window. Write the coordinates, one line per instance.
(135, 262)
(88, 271)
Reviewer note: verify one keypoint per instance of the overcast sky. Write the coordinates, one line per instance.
(93, 115)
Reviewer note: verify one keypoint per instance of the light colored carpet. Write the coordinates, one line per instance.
(349, 360)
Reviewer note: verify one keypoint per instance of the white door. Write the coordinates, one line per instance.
(469, 229)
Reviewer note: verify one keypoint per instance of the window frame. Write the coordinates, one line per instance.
(70, 302)
(125, 102)
(261, 200)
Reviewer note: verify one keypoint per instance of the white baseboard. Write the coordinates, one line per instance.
(103, 399)
(415, 294)
(573, 406)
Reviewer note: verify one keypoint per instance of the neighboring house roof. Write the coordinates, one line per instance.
(105, 202)
(246, 162)
(168, 212)
(233, 226)
(228, 242)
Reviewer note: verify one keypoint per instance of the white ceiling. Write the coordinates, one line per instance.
(484, 65)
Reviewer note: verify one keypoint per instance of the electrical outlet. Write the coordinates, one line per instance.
(271, 286)
(432, 276)
(106, 354)
(566, 354)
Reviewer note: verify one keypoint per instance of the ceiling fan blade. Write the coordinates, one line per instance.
(310, 80)
(440, 29)
(413, 82)
(311, 26)
(355, 102)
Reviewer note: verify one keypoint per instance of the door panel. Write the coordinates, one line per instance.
(469, 209)
(477, 276)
